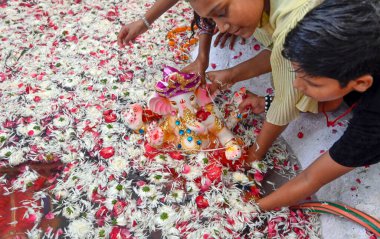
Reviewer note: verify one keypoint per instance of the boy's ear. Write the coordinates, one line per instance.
(362, 83)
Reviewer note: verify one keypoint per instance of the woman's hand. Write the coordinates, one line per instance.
(252, 102)
(130, 31)
(222, 38)
(198, 66)
(252, 155)
(220, 80)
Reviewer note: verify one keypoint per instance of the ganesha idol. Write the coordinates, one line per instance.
(188, 121)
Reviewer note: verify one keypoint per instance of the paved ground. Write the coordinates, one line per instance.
(359, 189)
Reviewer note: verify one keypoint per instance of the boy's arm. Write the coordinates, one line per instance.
(319, 173)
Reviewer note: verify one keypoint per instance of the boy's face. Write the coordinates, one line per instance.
(321, 88)
(239, 18)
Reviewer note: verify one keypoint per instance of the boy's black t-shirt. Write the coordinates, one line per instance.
(360, 143)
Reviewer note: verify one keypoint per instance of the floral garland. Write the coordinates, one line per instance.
(180, 42)
(65, 86)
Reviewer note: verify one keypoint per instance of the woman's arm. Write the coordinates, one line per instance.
(158, 8)
(200, 64)
(132, 30)
(319, 173)
(258, 65)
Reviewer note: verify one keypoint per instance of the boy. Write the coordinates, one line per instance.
(335, 50)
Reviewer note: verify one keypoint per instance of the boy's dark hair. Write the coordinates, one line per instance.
(339, 39)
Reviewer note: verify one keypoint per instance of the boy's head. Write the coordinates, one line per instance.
(240, 18)
(335, 48)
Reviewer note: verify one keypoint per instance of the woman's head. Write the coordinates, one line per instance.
(236, 17)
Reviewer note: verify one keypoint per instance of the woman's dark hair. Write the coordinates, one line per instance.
(339, 39)
(201, 23)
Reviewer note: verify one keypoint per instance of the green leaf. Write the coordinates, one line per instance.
(2, 139)
(69, 210)
(164, 216)
(102, 233)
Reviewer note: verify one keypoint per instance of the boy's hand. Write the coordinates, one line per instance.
(130, 31)
(252, 102)
(222, 38)
(220, 80)
(198, 66)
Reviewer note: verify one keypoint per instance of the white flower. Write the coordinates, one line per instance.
(201, 158)
(79, 229)
(119, 164)
(159, 177)
(110, 128)
(166, 216)
(109, 140)
(102, 232)
(260, 166)
(191, 172)
(94, 114)
(110, 202)
(7, 152)
(17, 158)
(24, 180)
(176, 195)
(69, 157)
(70, 82)
(64, 136)
(121, 220)
(71, 211)
(14, 155)
(135, 152)
(88, 142)
(135, 137)
(30, 130)
(62, 121)
(116, 190)
(61, 193)
(147, 190)
(35, 233)
(192, 188)
(239, 177)
(171, 233)
(163, 159)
